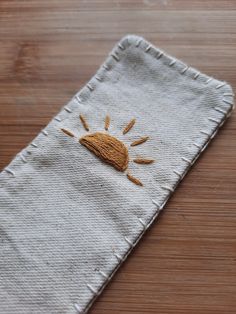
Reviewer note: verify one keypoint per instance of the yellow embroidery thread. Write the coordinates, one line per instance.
(109, 149)
(140, 141)
(85, 125)
(67, 132)
(143, 161)
(107, 122)
(129, 126)
(134, 180)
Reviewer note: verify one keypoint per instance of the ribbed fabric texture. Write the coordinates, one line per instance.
(67, 219)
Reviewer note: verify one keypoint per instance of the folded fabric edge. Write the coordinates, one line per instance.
(227, 98)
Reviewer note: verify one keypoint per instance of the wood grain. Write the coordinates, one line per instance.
(186, 263)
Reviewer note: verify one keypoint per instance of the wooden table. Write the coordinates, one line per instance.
(186, 263)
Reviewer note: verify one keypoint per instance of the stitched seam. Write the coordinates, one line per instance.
(114, 56)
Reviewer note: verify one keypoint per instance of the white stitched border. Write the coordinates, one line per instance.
(196, 75)
(138, 42)
(142, 222)
(159, 55)
(91, 288)
(172, 62)
(78, 99)
(121, 46)
(103, 274)
(221, 110)
(228, 102)
(90, 87)
(148, 48)
(57, 119)
(98, 78)
(184, 70)
(22, 157)
(128, 241)
(78, 308)
(34, 144)
(118, 256)
(214, 120)
(68, 109)
(10, 171)
(44, 132)
(171, 190)
(220, 85)
(156, 203)
(115, 56)
(178, 174)
(106, 67)
(209, 80)
(168, 188)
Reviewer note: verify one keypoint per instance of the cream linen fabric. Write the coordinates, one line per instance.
(67, 219)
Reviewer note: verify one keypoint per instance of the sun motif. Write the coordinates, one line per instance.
(111, 150)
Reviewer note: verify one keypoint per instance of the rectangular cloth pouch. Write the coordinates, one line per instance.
(75, 201)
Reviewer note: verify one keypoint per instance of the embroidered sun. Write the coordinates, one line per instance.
(111, 150)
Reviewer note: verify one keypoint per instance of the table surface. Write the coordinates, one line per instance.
(186, 262)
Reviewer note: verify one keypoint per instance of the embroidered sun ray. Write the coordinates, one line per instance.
(84, 122)
(68, 132)
(143, 161)
(129, 126)
(110, 149)
(134, 180)
(140, 141)
(107, 122)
